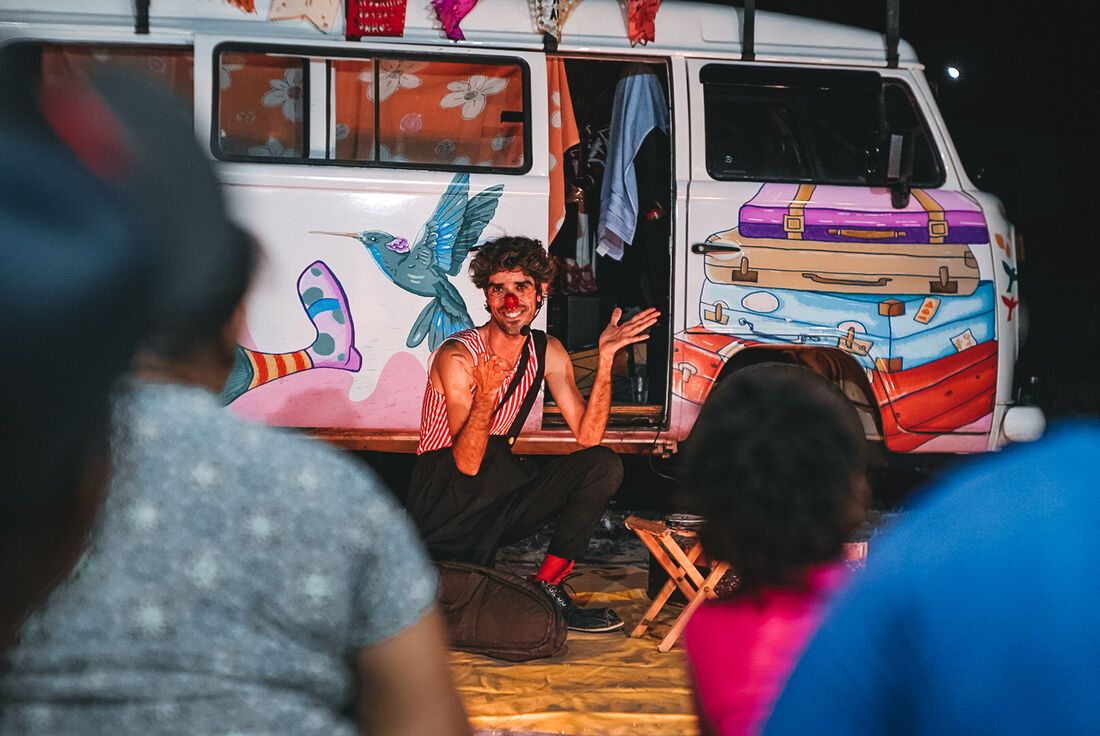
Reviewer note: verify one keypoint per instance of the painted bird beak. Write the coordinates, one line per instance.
(343, 235)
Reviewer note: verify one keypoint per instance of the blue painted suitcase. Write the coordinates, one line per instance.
(886, 332)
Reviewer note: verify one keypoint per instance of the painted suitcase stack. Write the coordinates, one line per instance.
(898, 289)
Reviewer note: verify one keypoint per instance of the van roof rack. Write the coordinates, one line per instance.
(893, 23)
(748, 32)
(141, 17)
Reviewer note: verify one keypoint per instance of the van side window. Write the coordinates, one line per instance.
(172, 66)
(261, 106)
(399, 112)
(819, 126)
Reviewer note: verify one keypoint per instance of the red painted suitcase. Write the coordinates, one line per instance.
(697, 358)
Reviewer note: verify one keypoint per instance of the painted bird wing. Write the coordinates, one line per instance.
(436, 241)
(478, 213)
(453, 304)
(444, 315)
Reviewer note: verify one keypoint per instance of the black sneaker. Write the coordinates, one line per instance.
(591, 620)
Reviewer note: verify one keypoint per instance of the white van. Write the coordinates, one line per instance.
(789, 196)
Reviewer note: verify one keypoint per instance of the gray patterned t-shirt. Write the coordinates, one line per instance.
(234, 571)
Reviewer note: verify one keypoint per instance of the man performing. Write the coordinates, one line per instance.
(468, 495)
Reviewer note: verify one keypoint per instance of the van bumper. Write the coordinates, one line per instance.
(1022, 424)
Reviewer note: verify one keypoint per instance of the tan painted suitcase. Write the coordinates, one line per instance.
(846, 268)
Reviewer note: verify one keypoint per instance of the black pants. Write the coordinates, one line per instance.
(463, 517)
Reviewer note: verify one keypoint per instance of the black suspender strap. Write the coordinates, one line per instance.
(521, 368)
(539, 338)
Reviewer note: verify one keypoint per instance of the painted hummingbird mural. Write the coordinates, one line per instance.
(438, 252)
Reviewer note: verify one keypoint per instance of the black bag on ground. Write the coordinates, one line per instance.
(498, 614)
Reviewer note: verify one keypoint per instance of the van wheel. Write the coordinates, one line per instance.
(797, 373)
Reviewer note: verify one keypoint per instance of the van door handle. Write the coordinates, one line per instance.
(701, 248)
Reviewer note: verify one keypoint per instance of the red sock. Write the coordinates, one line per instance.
(554, 569)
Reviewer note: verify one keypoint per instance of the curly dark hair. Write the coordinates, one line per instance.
(507, 253)
(776, 464)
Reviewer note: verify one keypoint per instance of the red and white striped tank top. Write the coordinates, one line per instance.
(435, 432)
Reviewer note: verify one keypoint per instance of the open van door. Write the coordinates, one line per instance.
(366, 172)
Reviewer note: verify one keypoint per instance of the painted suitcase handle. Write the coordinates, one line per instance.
(819, 279)
(868, 234)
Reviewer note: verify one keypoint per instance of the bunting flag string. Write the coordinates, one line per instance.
(641, 14)
(248, 6)
(375, 18)
(321, 13)
(451, 13)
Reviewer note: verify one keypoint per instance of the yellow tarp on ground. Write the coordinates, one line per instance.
(602, 685)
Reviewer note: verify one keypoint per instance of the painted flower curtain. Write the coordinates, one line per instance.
(413, 111)
(261, 105)
(563, 136)
(430, 112)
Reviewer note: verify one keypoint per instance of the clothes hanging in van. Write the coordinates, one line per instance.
(639, 107)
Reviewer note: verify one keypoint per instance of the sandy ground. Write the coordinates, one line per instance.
(603, 684)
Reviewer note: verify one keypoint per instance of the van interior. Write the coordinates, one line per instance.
(589, 285)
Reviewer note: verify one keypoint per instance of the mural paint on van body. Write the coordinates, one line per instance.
(438, 252)
(326, 305)
(389, 383)
(901, 293)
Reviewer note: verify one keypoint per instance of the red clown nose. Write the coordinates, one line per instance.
(511, 302)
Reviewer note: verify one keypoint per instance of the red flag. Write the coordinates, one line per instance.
(641, 15)
(375, 18)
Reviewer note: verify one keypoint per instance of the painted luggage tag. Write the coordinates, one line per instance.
(845, 214)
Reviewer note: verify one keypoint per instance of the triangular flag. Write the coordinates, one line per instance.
(550, 15)
(450, 13)
(321, 13)
(248, 6)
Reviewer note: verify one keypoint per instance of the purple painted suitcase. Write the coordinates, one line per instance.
(843, 214)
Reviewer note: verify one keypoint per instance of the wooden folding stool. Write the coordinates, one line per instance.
(682, 573)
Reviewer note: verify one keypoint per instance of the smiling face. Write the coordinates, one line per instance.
(513, 298)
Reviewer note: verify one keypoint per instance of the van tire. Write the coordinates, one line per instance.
(799, 373)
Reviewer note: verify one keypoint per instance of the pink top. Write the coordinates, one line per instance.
(742, 650)
(435, 431)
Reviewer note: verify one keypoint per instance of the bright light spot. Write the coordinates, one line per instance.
(953, 72)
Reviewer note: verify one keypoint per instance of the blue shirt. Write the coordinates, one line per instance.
(978, 615)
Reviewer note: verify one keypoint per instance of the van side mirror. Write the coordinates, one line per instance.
(899, 169)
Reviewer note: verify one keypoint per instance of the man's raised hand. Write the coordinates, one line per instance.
(617, 335)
